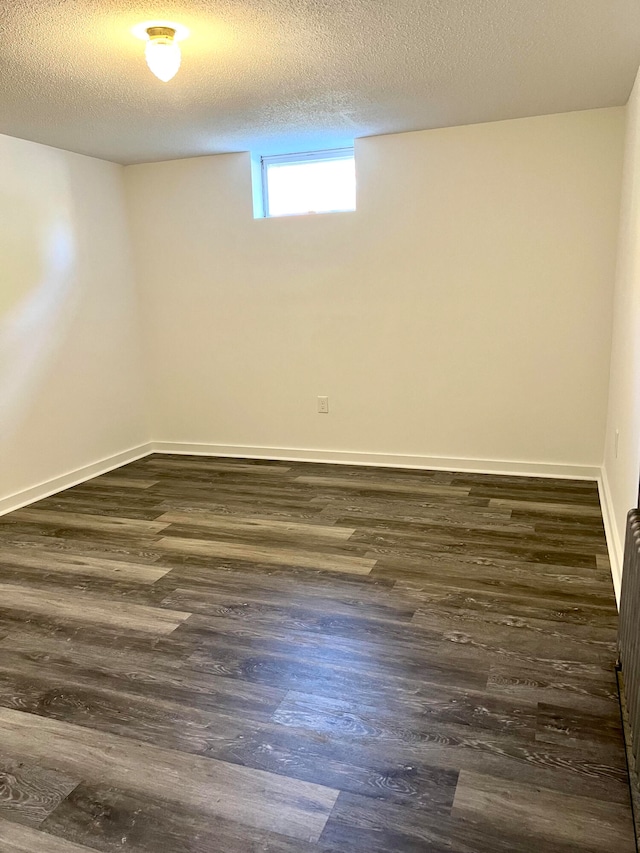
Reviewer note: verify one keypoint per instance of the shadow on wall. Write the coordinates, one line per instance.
(38, 288)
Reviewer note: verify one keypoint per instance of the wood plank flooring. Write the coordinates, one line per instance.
(202, 655)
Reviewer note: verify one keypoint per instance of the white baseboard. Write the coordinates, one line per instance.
(383, 460)
(340, 457)
(73, 478)
(614, 546)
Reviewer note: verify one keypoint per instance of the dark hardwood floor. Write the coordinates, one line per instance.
(202, 655)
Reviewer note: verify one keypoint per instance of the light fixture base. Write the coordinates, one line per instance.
(161, 33)
(141, 30)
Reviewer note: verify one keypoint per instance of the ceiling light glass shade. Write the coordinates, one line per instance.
(163, 57)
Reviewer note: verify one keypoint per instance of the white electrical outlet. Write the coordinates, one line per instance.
(323, 405)
(617, 441)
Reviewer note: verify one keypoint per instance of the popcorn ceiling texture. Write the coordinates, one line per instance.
(291, 75)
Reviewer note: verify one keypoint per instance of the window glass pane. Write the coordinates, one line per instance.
(312, 186)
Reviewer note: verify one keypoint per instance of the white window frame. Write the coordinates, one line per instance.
(294, 160)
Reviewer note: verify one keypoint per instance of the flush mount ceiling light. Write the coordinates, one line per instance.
(162, 50)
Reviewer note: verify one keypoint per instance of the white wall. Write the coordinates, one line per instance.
(463, 311)
(71, 389)
(621, 474)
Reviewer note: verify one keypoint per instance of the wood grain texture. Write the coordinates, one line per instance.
(260, 657)
(85, 608)
(260, 799)
(111, 820)
(79, 565)
(543, 813)
(21, 839)
(268, 555)
(84, 521)
(28, 793)
(260, 526)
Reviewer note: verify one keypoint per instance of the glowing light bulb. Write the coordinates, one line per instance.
(163, 55)
(162, 50)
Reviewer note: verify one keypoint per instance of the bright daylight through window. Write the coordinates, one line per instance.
(323, 182)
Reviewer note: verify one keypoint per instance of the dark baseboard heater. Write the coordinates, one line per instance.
(628, 665)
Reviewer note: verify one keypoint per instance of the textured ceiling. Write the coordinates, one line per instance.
(292, 75)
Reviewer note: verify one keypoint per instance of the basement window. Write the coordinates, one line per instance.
(320, 182)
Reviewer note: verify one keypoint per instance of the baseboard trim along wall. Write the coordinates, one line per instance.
(384, 460)
(339, 457)
(72, 478)
(616, 551)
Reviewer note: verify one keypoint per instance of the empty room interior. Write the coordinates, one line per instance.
(319, 426)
